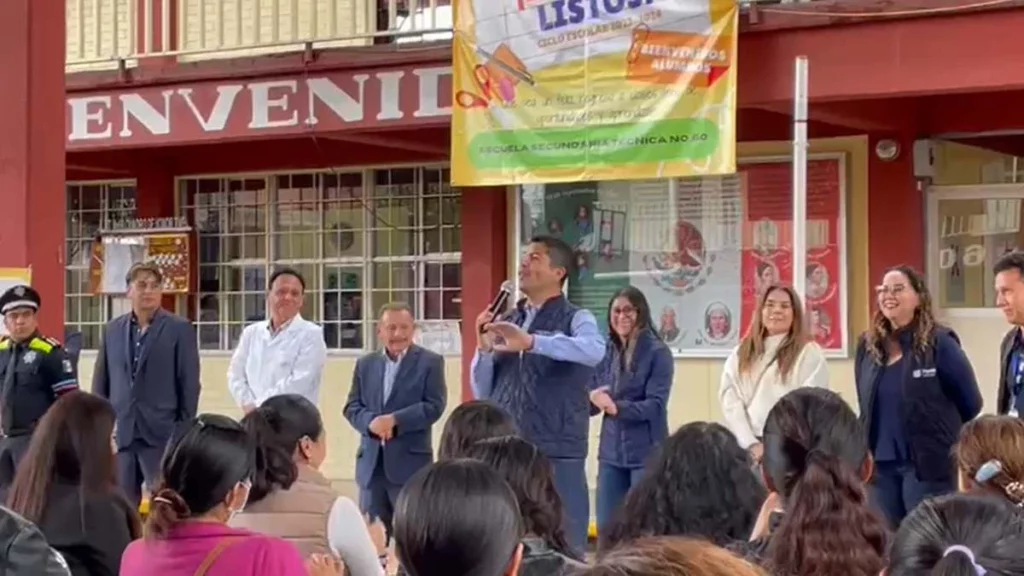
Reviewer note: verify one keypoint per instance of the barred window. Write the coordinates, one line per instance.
(92, 206)
(360, 239)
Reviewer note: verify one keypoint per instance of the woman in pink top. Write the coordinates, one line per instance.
(205, 472)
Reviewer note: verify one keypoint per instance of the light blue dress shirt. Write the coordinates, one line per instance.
(390, 372)
(584, 346)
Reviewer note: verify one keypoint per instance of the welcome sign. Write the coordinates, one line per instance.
(573, 90)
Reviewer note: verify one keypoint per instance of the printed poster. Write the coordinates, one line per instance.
(584, 90)
(114, 255)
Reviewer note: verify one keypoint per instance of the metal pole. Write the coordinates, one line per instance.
(800, 177)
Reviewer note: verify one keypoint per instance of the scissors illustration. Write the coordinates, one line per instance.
(488, 90)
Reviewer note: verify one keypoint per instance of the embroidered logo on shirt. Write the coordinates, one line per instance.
(30, 357)
(924, 373)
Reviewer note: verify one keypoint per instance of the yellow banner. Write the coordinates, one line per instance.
(575, 90)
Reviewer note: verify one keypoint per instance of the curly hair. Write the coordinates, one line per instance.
(530, 475)
(752, 345)
(923, 324)
(815, 451)
(700, 484)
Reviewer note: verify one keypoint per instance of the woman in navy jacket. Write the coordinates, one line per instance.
(915, 388)
(631, 389)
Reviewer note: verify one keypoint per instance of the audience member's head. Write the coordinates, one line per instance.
(529, 474)
(206, 474)
(700, 484)
(287, 430)
(816, 458)
(665, 556)
(470, 423)
(458, 517)
(990, 457)
(71, 444)
(959, 535)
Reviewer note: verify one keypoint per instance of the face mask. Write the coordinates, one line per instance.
(247, 484)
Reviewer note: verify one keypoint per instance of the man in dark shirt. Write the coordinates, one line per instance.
(34, 371)
(1009, 285)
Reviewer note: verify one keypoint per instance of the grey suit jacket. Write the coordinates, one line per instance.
(164, 388)
(417, 400)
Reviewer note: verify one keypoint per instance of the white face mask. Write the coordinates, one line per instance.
(247, 484)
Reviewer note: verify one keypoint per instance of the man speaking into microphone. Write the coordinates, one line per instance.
(536, 363)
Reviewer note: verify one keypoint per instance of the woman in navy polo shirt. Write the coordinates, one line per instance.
(631, 388)
(915, 388)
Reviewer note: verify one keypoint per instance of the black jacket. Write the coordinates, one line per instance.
(25, 551)
(1005, 385)
(940, 393)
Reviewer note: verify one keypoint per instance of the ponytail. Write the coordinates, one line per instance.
(166, 509)
(827, 527)
(275, 467)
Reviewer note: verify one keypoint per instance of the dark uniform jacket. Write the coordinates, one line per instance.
(24, 551)
(32, 374)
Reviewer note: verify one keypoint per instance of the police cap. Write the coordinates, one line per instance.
(20, 296)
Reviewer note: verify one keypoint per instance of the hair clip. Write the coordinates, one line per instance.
(163, 500)
(978, 569)
(988, 471)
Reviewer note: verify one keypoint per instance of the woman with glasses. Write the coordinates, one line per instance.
(205, 482)
(916, 388)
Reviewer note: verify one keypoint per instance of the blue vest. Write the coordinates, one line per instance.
(548, 398)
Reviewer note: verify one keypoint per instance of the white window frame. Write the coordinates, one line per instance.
(844, 303)
(935, 195)
(365, 262)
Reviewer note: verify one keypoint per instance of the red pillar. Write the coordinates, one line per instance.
(154, 198)
(484, 262)
(32, 150)
(896, 212)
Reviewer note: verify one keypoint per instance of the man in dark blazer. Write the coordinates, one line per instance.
(1009, 285)
(148, 367)
(397, 395)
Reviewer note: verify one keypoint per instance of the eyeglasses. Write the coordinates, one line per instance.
(895, 289)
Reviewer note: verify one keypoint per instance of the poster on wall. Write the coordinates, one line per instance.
(114, 255)
(701, 250)
(574, 91)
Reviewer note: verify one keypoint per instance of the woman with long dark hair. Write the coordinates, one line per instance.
(529, 474)
(206, 475)
(66, 484)
(959, 535)
(458, 518)
(916, 388)
(700, 484)
(775, 356)
(291, 499)
(817, 520)
(631, 390)
(470, 423)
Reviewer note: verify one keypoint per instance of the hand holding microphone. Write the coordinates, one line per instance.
(484, 340)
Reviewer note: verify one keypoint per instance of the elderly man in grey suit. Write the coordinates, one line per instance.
(397, 395)
(148, 367)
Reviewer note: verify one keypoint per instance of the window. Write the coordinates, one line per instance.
(702, 250)
(969, 229)
(360, 239)
(92, 207)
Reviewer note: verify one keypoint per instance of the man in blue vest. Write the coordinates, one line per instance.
(537, 363)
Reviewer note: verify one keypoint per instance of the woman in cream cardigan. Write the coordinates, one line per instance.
(776, 355)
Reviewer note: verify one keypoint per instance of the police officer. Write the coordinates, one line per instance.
(34, 371)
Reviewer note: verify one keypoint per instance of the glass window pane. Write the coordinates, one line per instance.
(343, 306)
(343, 229)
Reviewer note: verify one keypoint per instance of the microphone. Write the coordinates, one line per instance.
(500, 300)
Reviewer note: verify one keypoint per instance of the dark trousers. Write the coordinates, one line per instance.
(378, 499)
(571, 483)
(613, 482)
(896, 490)
(138, 464)
(12, 449)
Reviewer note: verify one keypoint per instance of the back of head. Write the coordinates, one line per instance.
(470, 423)
(665, 556)
(959, 535)
(994, 447)
(700, 484)
(815, 452)
(71, 443)
(457, 517)
(529, 474)
(276, 428)
(203, 463)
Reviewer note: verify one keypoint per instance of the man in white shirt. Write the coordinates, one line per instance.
(282, 355)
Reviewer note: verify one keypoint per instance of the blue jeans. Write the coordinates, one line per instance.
(896, 491)
(571, 483)
(613, 482)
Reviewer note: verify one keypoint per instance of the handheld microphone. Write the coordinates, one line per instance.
(500, 300)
